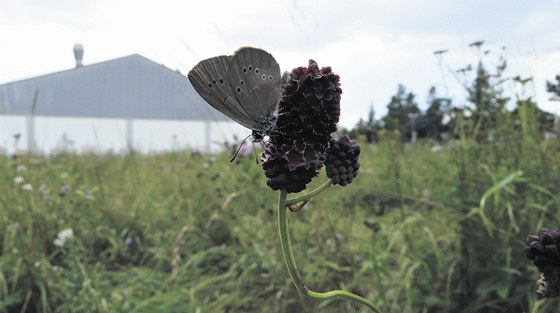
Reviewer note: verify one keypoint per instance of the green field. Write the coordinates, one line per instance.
(419, 230)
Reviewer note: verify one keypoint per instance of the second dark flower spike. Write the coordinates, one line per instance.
(307, 116)
(342, 161)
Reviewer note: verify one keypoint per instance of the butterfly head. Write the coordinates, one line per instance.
(268, 124)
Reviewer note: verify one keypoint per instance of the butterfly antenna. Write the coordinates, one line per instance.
(239, 148)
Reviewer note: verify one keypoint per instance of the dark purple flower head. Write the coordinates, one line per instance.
(315, 94)
(307, 116)
(544, 250)
(342, 161)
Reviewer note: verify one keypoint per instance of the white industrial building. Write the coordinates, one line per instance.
(116, 105)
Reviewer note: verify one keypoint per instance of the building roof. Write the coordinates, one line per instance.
(129, 87)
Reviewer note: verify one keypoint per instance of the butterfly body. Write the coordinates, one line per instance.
(246, 87)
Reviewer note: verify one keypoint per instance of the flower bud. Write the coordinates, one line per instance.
(342, 161)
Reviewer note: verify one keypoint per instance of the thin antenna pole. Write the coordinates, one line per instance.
(31, 146)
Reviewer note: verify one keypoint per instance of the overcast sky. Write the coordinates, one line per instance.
(372, 45)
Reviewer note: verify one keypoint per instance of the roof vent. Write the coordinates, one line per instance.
(78, 54)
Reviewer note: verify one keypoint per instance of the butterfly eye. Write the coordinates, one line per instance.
(245, 70)
(238, 89)
(250, 68)
(257, 70)
(264, 77)
(221, 81)
(270, 77)
(210, 85)
(242, 82)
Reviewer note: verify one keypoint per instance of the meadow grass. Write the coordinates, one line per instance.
(419, 230)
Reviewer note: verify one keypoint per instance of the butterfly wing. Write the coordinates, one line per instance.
(254, 76)
(209, 79)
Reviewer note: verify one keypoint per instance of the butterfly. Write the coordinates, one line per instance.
(245, 86)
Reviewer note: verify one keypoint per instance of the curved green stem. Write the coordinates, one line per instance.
(342, 294)
(287, 245)
(289, 258)
(311, 194)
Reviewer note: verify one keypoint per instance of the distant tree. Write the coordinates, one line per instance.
(402, 112)
(485, 92)
(368, 128)
(554, 88)
(433, 120)
(372, 126)
(359, 129)
(395, 110)
(481, 94)
(545, 120)
(371, 116)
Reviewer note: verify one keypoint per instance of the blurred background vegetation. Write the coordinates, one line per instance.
(436, 220)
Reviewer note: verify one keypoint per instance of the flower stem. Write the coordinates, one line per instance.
(287, 245)
(311, 194)
(289, 258)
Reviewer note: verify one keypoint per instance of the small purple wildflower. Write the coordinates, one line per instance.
(64, 190)
(128, 241)
(245, 149)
